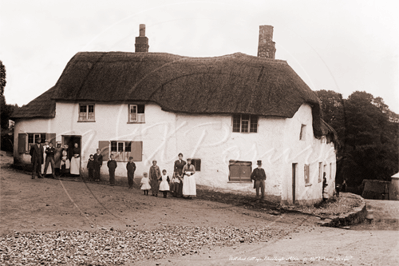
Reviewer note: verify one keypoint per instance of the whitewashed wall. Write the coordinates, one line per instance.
(209, 138)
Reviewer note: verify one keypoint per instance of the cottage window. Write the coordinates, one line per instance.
(122, 150)
(86, 113)
(302, 134)
(25, 141)
(197, 164)
(136, 113)
(245, 123)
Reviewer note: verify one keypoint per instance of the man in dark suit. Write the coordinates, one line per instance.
(259, 176)
(50, 150)
(98, 162)
(36, 153)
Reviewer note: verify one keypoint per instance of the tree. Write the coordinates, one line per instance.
(368, 131)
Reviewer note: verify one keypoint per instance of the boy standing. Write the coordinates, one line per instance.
(111, 168)
(259, 176)
(98, 162)
(130, 167)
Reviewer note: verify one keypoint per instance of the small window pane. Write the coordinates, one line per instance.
(30, 138)
(91, 108)
(42, 137)
(236, 123)
(128, 146)
(120, 147)
(113, 146)
(83, 109)
(254, 124)
(140, 108)
(133, 109)
(244, 126)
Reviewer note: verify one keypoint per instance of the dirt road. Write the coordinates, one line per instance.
(47, 205)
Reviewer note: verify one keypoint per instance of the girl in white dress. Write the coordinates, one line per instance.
(145, 184)
(164, 185)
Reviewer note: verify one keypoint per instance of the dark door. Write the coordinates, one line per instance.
(294, 166)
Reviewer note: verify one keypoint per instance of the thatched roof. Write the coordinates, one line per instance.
(40, 107)
(230, 84)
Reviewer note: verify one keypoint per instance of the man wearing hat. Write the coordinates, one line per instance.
(259, 177)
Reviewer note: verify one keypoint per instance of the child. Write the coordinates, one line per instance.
(174, 184)
(145, 184)
(164, 185)
(90, 167)
(111, 168)
(64, 161)
(130, 167)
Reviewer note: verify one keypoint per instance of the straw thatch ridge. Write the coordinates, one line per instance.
(40, 107)
(230, 84)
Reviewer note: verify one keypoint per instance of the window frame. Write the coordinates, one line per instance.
(140, 114)
(29, 144)
(251, 121)
(86, 117)
(122, 156)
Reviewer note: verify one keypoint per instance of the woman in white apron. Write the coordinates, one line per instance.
(75, 160)
(189, 184)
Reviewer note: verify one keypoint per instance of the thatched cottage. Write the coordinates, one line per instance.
(224, 112)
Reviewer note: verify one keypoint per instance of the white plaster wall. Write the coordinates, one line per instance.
(209, 138)
(309, 151)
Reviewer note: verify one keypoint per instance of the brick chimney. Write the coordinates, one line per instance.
(141, 44)
(266, 46)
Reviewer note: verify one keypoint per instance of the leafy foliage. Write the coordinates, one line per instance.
(368, 132)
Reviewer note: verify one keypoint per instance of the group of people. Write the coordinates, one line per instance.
(182, 183)
(56, 157)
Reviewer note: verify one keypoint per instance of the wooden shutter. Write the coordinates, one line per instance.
(306, 173)
(104, 149)
(50, 137)
(22, 142)
(137, 151)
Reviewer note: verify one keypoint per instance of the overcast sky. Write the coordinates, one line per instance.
(333, 45)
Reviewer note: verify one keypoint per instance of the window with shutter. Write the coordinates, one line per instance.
(240, 171)
(122, 150)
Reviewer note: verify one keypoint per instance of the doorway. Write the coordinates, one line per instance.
(294, 169)
(70, 140)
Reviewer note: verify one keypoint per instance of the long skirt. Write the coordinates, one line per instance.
(189, 186)
(154, 187)
(75, 166)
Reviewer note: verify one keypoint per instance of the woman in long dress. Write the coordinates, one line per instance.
(155, 174)
(189, 184)
(75, 160)
(178, 168)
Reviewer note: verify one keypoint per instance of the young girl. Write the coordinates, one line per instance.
(164, 185)
(145, 184)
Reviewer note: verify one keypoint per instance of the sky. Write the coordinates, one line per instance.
(340, 45)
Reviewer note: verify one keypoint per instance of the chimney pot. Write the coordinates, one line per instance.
(141, 45)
